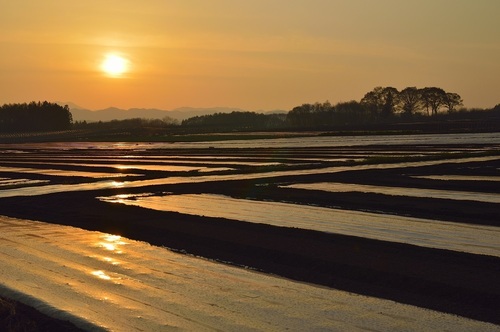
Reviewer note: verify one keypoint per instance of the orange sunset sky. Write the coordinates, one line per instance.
(255, 55)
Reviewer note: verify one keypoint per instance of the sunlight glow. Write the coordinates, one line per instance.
(112, 243)
(109, 246)
(115, 65)
(101, 274)
(111, 261)
(117, 184)
(112, 238)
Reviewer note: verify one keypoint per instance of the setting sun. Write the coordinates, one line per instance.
(114, 65)
(242, 54)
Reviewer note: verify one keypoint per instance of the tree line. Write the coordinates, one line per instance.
(34, 116)
(385, 101)
(382, 107)
(235, 121)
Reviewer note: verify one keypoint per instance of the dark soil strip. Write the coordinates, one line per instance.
(15, 317)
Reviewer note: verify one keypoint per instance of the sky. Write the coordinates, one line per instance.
(255, 55)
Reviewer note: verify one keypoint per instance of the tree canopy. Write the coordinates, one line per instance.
(233, 120)
(387, 101)
(35, 116)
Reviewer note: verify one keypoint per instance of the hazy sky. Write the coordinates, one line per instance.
(255, 54)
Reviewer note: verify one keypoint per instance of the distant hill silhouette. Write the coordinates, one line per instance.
(113, 113)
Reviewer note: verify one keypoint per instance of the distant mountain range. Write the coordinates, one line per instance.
(113, 113)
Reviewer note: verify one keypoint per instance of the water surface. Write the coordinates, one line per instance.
(399, 191)
(475, 239)
(103, 282)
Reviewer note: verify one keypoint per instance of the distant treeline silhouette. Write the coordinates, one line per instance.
(236, 121)
(383, 108)
(133, 125)
(381, 105)
(35, 116)
(378, 108)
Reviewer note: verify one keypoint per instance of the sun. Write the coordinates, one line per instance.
(114, 65)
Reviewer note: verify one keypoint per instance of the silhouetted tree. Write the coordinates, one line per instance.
(410, 100)
(452, 100)
(351, 112)
(310, 115)
(170, 121)
(225, 121)
(433, 98)
(300, 116)
(381, 101)
(35, 116)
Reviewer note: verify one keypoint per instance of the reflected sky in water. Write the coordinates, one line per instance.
(293, 142)
(475, 239)
(399, 191)
(40, 190)
(114, 244)
(61, 270)
(62, 172)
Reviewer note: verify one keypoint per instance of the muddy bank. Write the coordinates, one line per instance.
(15, 316)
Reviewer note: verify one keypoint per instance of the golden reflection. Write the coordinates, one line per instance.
(119, 198)
(112, 243)
(109, 246)
(112, 238)
(100, 274)
(117, 184)
(111, 260)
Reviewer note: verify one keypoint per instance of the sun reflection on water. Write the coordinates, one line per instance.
(109, 246)
(112, 243)
(120, 198)
(101, 274)
(112, 238)
(111, 261)
(117, 184)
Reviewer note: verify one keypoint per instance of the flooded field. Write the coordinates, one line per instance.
(106, 282)
(385, 216)
(409, 192)
(454, 236)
